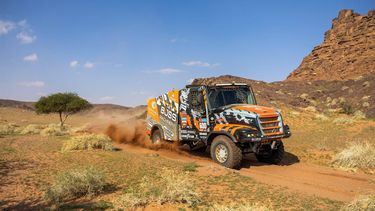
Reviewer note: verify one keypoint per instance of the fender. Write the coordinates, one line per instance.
(213, 134)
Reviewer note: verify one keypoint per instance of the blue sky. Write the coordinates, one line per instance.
(124, 52)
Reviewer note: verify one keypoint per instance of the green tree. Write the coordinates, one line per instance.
(65, 104)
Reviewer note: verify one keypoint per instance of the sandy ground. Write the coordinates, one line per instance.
(304, 178)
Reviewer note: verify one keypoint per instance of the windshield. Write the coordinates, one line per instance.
(222, 96)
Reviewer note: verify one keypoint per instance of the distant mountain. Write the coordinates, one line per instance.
(96, 107)
(16, 104)
(347, 52)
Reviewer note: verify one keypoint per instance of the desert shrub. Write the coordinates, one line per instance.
(238, 207)
(55, 130)
(359, 115)
(88, 142)
(9, 129)
(310, 109)
(346, 108)
(304, 96)
(321, 117)
(128, 200)
(32, 129)
(294, 113)
(358, 155)
(343, 120)
(365, 203)
(76, 183)
(169, 186)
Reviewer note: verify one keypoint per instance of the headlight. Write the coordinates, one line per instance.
(246, 134)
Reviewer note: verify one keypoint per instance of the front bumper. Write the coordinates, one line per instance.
(254, 136)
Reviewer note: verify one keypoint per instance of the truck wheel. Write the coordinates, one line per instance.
(274, 156)
(156, 137)
(225, 152)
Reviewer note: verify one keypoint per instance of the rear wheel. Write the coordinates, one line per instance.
(156, 137)
(225, 152)
(273, 156)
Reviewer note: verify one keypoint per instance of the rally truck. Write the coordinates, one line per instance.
(224, 118)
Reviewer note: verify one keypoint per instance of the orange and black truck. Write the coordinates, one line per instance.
(224, 118)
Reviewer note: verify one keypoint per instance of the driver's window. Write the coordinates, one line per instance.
(196, 101)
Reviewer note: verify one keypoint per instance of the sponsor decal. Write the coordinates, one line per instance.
(168, 113)
(202, 126)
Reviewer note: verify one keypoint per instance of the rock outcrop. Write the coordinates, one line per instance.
(348, 50)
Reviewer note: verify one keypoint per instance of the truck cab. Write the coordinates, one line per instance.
(223, 117)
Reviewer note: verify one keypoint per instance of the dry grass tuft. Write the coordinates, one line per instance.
(55, 130)
(310, 109)
(76, 183)
(359, 115)
(321, 117)
(343, 121)
(32, 129)
(9, 129)
(239, 207)
(169, 186)
(358, 155)
(365, 203)
(88, 142)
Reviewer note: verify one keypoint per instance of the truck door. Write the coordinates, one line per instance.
(193, 114)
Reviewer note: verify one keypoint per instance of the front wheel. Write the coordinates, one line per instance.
(225, 152)
(273, 156)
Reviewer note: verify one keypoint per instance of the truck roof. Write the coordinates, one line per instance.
(218, 85)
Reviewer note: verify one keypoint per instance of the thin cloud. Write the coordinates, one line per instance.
(88, 65)
(73, 63)
(23, 24)
(25, 38)
(37, 84)
(6, 27)
(196, 63)
(168, 71)
(31, 58)
(107, 98)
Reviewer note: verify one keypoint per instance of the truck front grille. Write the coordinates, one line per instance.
(271, 125)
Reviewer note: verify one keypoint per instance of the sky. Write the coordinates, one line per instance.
(125, 52)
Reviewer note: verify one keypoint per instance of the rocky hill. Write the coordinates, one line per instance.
(323, 96)
(347, 52)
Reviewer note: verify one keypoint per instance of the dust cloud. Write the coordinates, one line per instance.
(134, 132)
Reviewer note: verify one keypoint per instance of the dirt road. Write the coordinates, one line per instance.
(304, 178)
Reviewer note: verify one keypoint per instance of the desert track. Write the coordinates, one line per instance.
(299, 177)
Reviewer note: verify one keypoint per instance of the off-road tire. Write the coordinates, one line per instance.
(274, 157)
(234, 153)
(156, 137)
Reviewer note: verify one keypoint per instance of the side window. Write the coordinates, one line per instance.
(197, 101)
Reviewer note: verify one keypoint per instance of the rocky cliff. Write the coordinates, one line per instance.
(348, 50)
